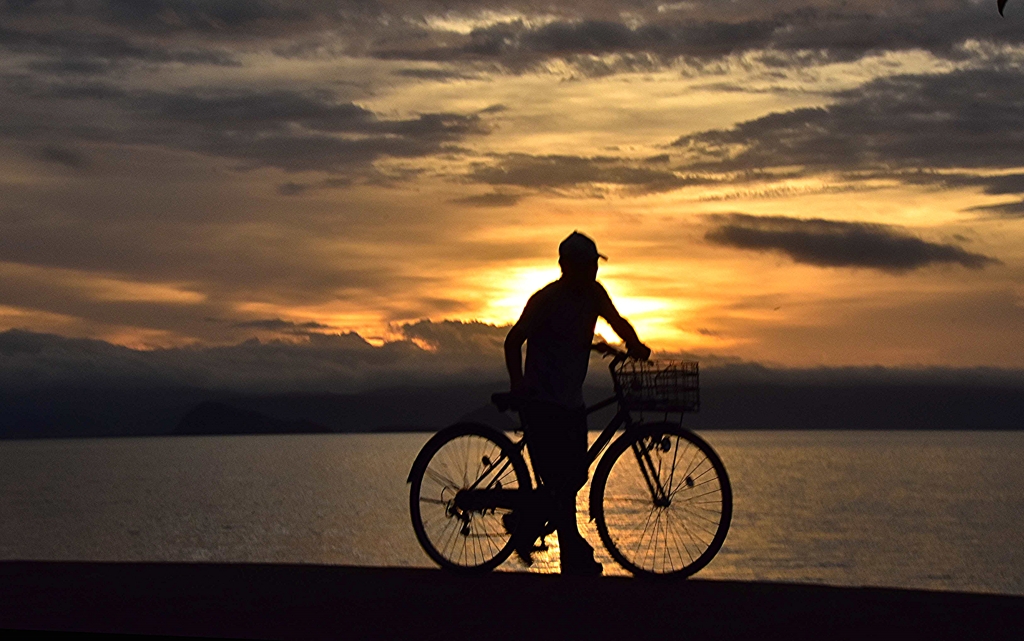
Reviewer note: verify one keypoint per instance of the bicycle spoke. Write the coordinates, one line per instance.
(424, 499)
(452, 536)
(663, 503)
(647, 524)
(672, 474)
(443, 481)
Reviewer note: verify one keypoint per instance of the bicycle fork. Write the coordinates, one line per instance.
(651, 472)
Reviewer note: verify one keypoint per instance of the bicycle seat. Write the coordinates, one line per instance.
(505, 401)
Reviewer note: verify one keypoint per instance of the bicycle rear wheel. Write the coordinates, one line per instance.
(465, 456)
(662, 501)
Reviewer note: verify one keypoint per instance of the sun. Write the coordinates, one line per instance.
(509, 288)
(656, 319)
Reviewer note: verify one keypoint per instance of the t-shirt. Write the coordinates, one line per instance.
(559, 323)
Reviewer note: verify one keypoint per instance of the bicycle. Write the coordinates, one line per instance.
(660, 494)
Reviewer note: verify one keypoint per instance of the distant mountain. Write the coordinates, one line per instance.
(212, 417)
(403, 408)
(78, 412)
(836, 405)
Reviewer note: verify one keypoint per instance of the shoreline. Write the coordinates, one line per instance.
(300, 602)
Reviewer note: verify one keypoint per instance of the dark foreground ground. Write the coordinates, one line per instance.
(320, 602)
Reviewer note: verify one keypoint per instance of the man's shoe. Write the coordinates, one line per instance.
(580, 561)
(582, 567)
(525, 531)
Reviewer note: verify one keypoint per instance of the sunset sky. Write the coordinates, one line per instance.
(797, 183)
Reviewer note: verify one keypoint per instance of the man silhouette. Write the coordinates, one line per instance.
(557, 326)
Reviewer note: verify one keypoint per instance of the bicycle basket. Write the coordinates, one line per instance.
(659, 386)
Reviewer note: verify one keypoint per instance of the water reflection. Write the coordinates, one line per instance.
(923, 510)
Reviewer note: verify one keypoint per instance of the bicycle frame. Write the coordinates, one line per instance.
(647, 472)
(474, 499)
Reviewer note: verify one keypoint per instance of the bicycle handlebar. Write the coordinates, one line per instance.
(617, 354)
(505, 401)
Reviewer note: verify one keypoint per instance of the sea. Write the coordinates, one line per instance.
(906, 509)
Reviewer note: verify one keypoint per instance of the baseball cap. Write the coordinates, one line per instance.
(578, 248)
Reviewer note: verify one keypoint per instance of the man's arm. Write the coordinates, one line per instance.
(622, 327)
(514, 356)
(518, 335)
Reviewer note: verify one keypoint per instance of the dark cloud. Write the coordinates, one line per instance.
(89, 52)
(298, 189)
(1004, 184)
(451, 351)
(64, 156)
(1008, 210)
(785, 31)
(458, 337)
(838, 244)
(559, 172)
(72, 66)
(517, 43)
(204, 15)
(998, 184)
(290, 130)
(167, 16)
(262, 111)
(490, 200)
(966, 119)
(434, 74)
(294, 131)
(293, 189)
(280, 325)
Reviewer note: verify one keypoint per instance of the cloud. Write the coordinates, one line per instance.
(93, 50)
(434, 74)
(448, 353)
(494, 199)
(458, 337)
(519, 45)
(960, 120)
(202, 15)
(561, 171)
(64, 156)
(997, 185)
(280, 325)
(297, 131)
(451, 352)
(638, 34)
(901, 127)
(1007, 210)
(291, 130)
(783, 30)
(826, 243)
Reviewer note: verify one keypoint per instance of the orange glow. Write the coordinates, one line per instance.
(506, 291)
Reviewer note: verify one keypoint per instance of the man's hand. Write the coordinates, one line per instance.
(639, 351)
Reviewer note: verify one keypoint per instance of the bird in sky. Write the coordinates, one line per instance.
(1002, 3)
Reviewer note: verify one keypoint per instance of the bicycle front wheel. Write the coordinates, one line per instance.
(465, 456)
(662, 501)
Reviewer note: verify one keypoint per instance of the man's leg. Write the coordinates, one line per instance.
(558, 448)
